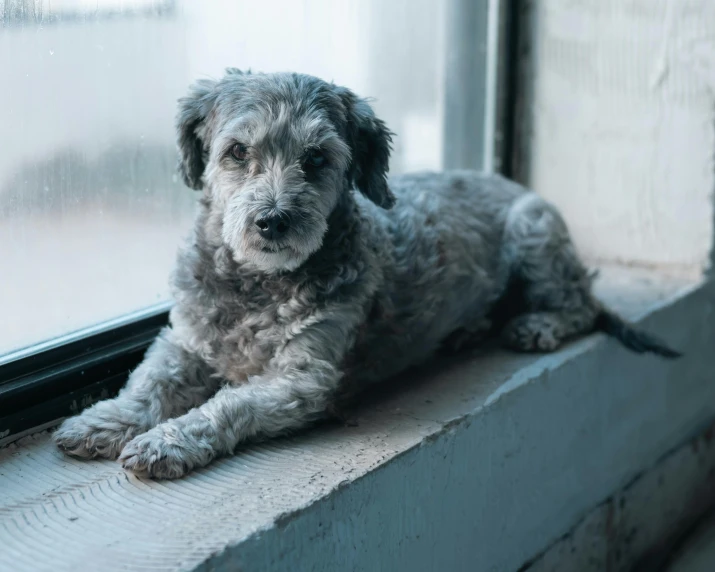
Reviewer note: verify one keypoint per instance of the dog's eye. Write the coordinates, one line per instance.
(315, 159)
(239, 152)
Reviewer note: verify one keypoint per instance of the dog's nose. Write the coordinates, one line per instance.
(273, 227)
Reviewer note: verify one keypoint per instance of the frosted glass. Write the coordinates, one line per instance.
(91, 209)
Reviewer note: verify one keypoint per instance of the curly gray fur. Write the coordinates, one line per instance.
(267, 333)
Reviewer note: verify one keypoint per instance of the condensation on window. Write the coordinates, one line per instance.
(91, 208)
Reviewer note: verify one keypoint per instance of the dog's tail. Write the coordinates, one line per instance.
(632, 338)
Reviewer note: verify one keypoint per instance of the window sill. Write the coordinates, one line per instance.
(480, 463)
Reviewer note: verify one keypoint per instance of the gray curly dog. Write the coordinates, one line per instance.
(294, 290)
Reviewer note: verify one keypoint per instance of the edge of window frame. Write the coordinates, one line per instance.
(48, 381)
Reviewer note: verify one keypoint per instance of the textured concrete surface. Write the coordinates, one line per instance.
(478, 464)
(619, 128)
(698, 552)
(639, 527)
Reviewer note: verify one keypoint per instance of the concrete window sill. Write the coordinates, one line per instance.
(480, 463)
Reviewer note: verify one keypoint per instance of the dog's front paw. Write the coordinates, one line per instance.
(94, 433)
(165, 452)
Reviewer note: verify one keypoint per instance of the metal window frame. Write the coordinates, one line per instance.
(52, 380)
(49, 381)
(479, 84)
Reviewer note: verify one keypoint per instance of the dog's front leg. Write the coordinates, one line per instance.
(264, 407)
(169, 382)
(295, 390)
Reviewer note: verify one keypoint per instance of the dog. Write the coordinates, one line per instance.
(309, 276)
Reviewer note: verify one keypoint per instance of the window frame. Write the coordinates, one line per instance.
(46, 382)
(52, 380)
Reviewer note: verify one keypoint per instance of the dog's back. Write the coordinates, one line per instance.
(458, 244)
(444, 266)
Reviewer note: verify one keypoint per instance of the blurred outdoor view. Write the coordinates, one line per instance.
(91, 209)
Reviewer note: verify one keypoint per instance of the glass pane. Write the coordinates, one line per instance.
(91, 209)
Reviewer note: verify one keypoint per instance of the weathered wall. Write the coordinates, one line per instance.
(620, 124)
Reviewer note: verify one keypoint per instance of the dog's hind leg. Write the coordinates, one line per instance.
(555, 286)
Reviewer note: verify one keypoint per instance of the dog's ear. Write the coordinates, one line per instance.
(370, 144)
(194, 110)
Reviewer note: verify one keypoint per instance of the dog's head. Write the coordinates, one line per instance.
(274, 153)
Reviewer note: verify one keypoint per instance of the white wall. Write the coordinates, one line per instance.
(623, 125)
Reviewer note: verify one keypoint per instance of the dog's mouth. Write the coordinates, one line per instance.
(273, 249)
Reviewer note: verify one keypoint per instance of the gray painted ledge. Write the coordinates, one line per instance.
(479, 463)
(698, 553)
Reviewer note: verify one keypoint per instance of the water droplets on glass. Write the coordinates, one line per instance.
(89, 199)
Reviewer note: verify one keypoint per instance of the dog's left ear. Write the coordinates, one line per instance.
(370, 143)
(191, 119)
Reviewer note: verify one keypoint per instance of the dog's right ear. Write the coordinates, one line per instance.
(194, 110)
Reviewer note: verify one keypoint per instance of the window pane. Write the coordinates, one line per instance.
(91, 209)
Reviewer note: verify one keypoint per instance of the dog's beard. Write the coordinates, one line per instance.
(270, 261)
(283, 255)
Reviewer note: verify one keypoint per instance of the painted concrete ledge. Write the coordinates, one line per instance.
(697, 552)
(481, 463)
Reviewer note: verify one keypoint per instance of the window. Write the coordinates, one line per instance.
(91, 207)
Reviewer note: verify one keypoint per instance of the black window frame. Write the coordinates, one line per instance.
(46, 382)
(49, 381)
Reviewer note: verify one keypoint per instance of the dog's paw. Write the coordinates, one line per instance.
(94, 434)
(164, 452)
(533, 333)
